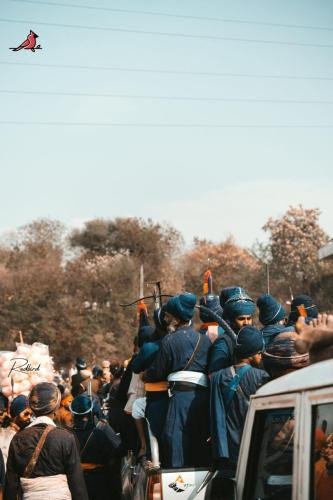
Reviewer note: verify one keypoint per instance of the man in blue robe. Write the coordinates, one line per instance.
(238, 311)
(231, 389)
(182, 360)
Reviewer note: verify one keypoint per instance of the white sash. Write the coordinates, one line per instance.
(40, 488)
(188, 376)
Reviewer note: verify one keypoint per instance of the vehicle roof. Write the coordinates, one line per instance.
(311, 377)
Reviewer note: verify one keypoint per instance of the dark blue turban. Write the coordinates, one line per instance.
(238, 305)
(212, 302)
(159, 320)
(228, 292)
(249, 342)
(182, 306)
(309, 306)
(19, 404)
(81, 405)
(81, 363)
(145, 334)
(270, 310)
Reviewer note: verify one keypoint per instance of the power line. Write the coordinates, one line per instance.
(160, 125)
(177, 16)
(167, 34)
(163, 97)
(168, 71)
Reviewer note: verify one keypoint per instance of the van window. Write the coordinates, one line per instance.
(270, 462)
(322, 452)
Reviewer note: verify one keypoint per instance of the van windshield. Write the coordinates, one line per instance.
(270, 462)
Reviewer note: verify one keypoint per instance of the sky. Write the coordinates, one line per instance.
(180, 120)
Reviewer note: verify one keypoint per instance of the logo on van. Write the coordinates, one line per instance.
(179, 484)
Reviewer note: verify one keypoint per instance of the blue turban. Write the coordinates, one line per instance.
(19, 404)
(270, 310)
(212, 302)
(229, 291)
(81, 363)
(182, 306)
(249, 342)
(81, 405)
(309, 306)
(238, 305)
(145, 334)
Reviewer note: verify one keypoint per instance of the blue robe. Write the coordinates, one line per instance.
(157, 402)
(186, 428)
(227, 421)
(221, 354)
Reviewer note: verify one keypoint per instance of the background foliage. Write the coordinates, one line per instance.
(65, 289)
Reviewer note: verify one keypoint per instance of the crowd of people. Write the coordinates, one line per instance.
(187, 386)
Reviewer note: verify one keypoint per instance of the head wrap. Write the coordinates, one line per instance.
(81, 405)
(212, 302)
(97, 371)
(239, 304)
(80, 363)
(249, 342)
(281, 355)
(302, 305)
(145, 334)
(229, 291)
(270, 310)
(19, 404)
(182, 306)
(44, 398)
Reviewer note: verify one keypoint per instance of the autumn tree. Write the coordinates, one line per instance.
(294, 241)
(230, 265)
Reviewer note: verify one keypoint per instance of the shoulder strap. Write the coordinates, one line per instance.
(196, 349)
(235, 381)
(85, 444)
(33, 460)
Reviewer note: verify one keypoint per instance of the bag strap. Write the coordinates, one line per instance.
(235, 381)
(85, 444)
(33, 460)
(188, 364)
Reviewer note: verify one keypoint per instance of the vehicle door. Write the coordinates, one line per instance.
(316, 453)
(268, 465)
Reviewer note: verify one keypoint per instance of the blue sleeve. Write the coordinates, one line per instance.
(161, 366)
(219, 356)
(145, 357)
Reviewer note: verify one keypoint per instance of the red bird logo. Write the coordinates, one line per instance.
(29, 43)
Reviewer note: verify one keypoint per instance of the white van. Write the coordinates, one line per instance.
(287, 423)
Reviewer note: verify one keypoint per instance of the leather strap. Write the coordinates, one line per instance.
(33, 460)
(188, 364)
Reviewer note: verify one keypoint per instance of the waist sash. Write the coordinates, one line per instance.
(189, 376)
(86, 466)
(156, 386)
(37, 488)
